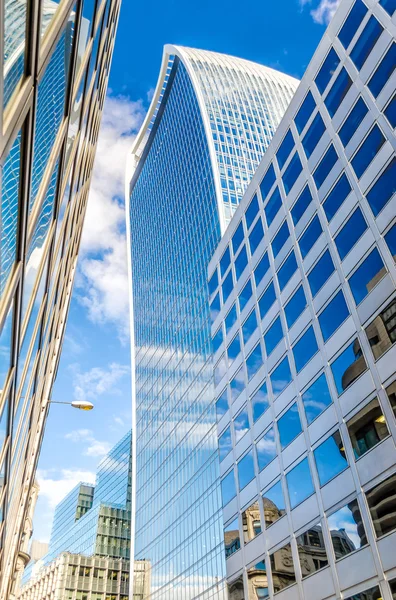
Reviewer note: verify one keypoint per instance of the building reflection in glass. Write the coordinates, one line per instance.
(274, 504)
(371, 594)
(392, 585)
(235, 589)
(257, 581)
(232, 541)
(367, 428)
(391, 392)
(382, 504)
(251, 522)
(347, 530)
(312, 551)
(381, 333)
(348, 366)
(282, 568)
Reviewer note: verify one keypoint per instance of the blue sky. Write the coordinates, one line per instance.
(95, 363)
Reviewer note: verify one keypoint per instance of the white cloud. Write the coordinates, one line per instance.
(324, 12)
(85, 436)
(54, 489)
(97, 381)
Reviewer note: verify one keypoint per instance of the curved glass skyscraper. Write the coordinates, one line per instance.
(210, 122)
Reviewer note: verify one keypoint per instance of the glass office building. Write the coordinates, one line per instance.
(56, 59)
(210, 122)
(303, 303)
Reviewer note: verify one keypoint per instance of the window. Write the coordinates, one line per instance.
(273, 205)
(251, 523)
(295, 306)
(301, 205)
(274, 504)
(230, 318)
(225, 261)
(267, 182)
(390, 7)
(350, 233)
(232, 542)
(237, 385)
(291, 173)
(228, 490)
(299, 483)
(214, 308)
(316, 398)
(213, 283)
(267, 300)
(352, 23)
(266, 449)
(256, 236)
(233, 349)
(382, 504)
(391, 393)
(383, 189)
(381, 333)
(367, 151)
(287, 270)
(311, 544)
(284, 149)
(251, 211)
(280, 377)
(241, 262)
(336, 198)
(353, 121)
(327, 70)
(237, 238)
(225, 444)
(371, 594)
(333, 315)
(313, 135)
(241, 424)
(281, 557)
(390, 112)
(390, 239)
(6, 346)
(245, 295)
(383, 72)
(366, 42)
(346, 530)
(273, 336)
(280, 239)
(305, 111)
(221, 405)
(254, 361)
(289, 426)
(337, 92)
(348, 366)
(366, 277)
(305, 349)
(220, 370)
(249, 326)
(217, 340)
(325, 166)
(245, 470)
(261, 268)
(330, 458)
(227, 287)
(367, 428)
(259, 402)
(310, 235)
(320, 273)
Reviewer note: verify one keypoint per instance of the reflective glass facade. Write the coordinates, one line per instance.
(52, 89)
(315, 469)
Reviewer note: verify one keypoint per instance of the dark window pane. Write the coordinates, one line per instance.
(352, 23)
(338, 92)
(320, 273)
(350, 233)
(390, 239)
(382, 504)
(228, 490)
(306, 110)
(254, 361)
(383, 72)
(273, 336)
(213, 283)
(367, 276)
(327, 70)
(225, 261)
(273, 205)
(221, 405)
(284, 149)
(381, 333)
(241, 262)
(333, 315)
(241, 424)
(230, 318)
(287, 270)
(291, 173)
(266, 449)
(256, 236)
(245, 295)
(261, 268)
(366, 42)
(325, 166)
(295, 306)
(274, 504)
(280, 239)
(313, 135)
(267, 182)
(289, 426)
(353, 121)
(316, 399)
(336, 198)
(267, 300)
(249, 326)
(237, 238)
(227, 287)
(367, 428)
(259, 402)
(347, 530)
(348, 366)
(367, 151)
(225, 444)
(313, 538)
(390, 7)
(245, 470)
(305, 349)
(373, 593)
(330, 458)
(299, 483)
(383, 189)
(310, 235)
(301, 205)
(390, 112)
(251, 211)
(280, 377)
(237, 385)
(233, 349)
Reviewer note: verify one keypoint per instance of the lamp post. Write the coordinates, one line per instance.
(80, 404)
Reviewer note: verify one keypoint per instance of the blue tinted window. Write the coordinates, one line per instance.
(237, 238)
(353, 121)
(295, 306)
(320, 273)
(316, 399)
(293, 170)
(217, 340)
(254, 361)
(245, 470)
(280, 377)
(333, 315)
(214, 308)
(273, 336)
(228, 490)
(330, 458)
(390, 239)
(245, 295)
(234, 349)
(261, 268)
(280, 239)
(237, 385)
(367, 276)
(213, 283)
(241, 262)
(366, 42)
(338, 92)
(352, 23)
(348, 366)
(287, 270)
(289, 426)
(390, 112)
(225, 444)
(383, 189)
(256, 236)
(301, 205)
(350, 233)
(306, 110)
(367, 151)
(267, 300)
(325, 166)
(225, 261)
(299, 483)
(251, 211)
(327, 70)
(274, 498)
(220, 369)
(389, 6)
(273, 205)
(241, 425)
(221, 405)
(249, 326)
(267, 182)
(266, 449)
(230, 318)
(227, 287)
(310, 235)
(336, 197)
(305, 349)
(259, 402)
(383, 72)
(284, 149)
(313, 135)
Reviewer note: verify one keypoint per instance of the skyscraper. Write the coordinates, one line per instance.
(305, 371)
(52, 88)
(210, 122)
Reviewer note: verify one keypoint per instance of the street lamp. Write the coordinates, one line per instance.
(80, 404)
